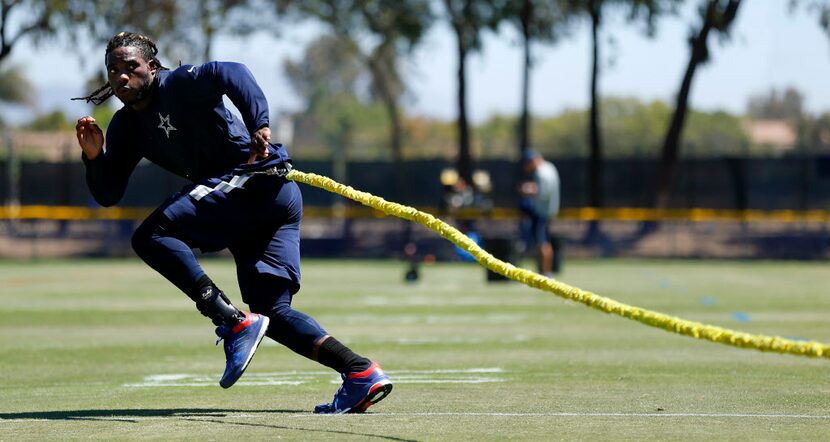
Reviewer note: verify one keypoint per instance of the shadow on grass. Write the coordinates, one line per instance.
(188, 414)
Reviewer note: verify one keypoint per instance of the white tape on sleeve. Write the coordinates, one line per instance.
(236, 182)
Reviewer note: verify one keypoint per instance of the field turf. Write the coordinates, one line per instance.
(108, 350)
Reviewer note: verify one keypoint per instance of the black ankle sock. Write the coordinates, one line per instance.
(334, 354)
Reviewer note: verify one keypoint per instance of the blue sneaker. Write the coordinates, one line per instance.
(358, 392)
(241, 343)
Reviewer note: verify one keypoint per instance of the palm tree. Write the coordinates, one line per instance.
(717, 15)
(468, 19)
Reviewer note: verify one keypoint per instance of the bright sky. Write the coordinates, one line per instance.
(769, 48)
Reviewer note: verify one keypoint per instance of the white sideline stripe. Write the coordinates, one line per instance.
(447, 376)
(243, 415)
(213, 382)
(180, 376)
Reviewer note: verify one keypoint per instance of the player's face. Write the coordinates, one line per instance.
(130, 76)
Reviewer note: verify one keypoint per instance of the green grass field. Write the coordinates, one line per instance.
(101, 349)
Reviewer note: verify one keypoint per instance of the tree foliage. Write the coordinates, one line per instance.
(355, 81)
(814, 134)
(184, 30)
(332, 83)
(52, 121)
(329, 67)
(786, 104)
(39, 20)
(14, 87)
(380, 33)
(819, 8)
(635, 129)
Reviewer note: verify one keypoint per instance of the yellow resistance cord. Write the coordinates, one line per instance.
(648, 317)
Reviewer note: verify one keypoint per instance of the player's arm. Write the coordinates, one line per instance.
(237, 82)
(107, 172)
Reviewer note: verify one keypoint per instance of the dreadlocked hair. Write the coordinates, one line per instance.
(146, 48)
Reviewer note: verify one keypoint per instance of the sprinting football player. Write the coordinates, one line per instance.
(177, 120)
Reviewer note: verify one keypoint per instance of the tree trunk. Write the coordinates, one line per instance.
(208, 49)
(524, 119)
(595, 160)
(465, 163)
(395, 130)
(700, 53)
(670, 151)
(208, 29)
(390, 104)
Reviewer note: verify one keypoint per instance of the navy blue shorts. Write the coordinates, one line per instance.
(256, 218)
(535, 230)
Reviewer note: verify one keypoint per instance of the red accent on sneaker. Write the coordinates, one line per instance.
(364, 373)
(248, 320)
(371, 398)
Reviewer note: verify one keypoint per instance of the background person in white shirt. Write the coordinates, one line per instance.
(539, 204)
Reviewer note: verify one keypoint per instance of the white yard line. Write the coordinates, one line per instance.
(445, 376)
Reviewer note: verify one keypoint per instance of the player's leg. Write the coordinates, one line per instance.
(545, 247)
(268, 270)
(546, 258)
(164, 247)
(165, 241)
(272, 296)
(364, 384)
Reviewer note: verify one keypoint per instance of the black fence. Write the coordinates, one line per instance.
(726, 183)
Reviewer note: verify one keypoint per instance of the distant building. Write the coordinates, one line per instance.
(778, 134)
(52, 146)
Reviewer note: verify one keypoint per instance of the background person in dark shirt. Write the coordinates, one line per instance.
(177, 120)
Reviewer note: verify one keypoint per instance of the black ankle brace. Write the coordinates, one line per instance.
(213, 304)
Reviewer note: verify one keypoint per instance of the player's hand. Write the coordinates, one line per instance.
(90, 137)
(259, 143)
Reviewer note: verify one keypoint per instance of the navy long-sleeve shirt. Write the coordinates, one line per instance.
(186, 129)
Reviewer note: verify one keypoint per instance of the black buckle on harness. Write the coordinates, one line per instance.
(279, 170)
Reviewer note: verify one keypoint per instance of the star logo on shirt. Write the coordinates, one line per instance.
(165, 125)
